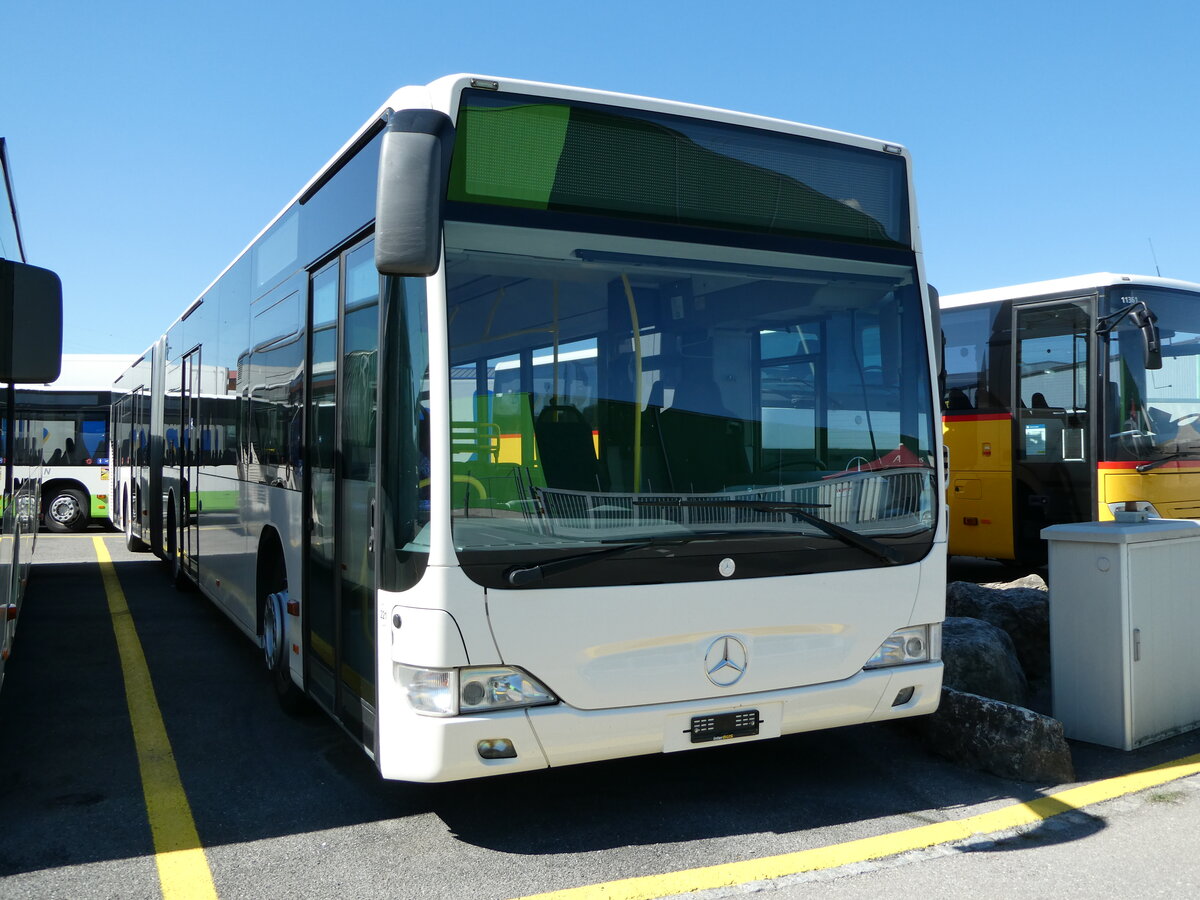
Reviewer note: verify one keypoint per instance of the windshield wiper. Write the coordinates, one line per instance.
(522, 575)
(870, 546)
(1170, 457)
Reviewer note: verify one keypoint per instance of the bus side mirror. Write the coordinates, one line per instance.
(413, 158)
(935, 313)
(1145, 320)
(30, 324)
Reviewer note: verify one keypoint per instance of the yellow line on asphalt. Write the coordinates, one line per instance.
(673, 883)
(182, 866)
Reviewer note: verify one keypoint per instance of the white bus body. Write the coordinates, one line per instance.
(642, 458)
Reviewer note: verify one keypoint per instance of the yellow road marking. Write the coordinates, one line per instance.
(183, 870)
(673, 883)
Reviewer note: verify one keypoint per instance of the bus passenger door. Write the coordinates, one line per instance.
(1053, 446)
(189, 462)
(340, 451)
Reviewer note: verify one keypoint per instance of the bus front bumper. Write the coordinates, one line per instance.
(415, 747)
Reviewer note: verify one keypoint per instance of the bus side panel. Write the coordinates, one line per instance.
(1173, 489)
(99, 502)
(980, 484)
(226, 561)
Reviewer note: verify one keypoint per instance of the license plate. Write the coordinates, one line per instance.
(724, 726)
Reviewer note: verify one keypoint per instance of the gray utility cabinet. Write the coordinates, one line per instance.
(1125, 629)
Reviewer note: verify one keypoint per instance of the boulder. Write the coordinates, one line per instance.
(979, 658)
(1033, 580)
(1022, 612)
(1000, 738)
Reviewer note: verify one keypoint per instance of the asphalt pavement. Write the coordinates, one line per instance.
(289, 806)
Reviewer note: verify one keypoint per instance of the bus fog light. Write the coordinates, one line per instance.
(918, 643)
(497, 748)
(903, 696)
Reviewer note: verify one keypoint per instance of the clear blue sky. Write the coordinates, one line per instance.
(151, 141)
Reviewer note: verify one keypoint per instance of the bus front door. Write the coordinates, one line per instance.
(340, 450)
(189, 462)
(1053, 447)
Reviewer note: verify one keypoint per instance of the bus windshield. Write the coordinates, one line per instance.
(72, 425)
(606, 388)
(1154, 414)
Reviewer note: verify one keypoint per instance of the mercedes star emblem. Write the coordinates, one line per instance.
(725, 662)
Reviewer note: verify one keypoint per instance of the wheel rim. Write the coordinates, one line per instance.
(64, 509)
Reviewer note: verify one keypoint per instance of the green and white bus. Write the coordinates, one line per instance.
(548, 425)
(72, 414)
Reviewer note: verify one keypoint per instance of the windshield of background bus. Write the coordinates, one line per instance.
(1155, 412)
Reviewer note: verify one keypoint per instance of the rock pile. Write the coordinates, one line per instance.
(995, 645)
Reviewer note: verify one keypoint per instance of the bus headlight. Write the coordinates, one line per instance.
(451, 692)
(918, 643)
(499, 688)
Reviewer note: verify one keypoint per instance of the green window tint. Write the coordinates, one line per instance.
(511, 154)
(564, 156)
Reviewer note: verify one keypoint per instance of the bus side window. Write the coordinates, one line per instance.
(956, 398)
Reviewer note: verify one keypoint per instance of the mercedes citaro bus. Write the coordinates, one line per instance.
(548, 425)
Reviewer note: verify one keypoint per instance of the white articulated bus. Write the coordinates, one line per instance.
(548, 425)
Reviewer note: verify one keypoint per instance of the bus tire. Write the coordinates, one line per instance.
(133, 543)
(179, 576)
(66, 511)
(273, 597)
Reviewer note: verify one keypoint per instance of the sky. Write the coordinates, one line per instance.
(150, 142)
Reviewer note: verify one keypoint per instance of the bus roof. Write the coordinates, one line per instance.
(440, 94)
(1061, 286)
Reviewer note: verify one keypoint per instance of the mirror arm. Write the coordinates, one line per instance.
(1143, 317)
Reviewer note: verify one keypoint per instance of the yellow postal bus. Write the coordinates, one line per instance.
(1068, 400)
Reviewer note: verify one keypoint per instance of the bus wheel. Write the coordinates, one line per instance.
(67, 511)
(179, 575)
(274, 640)
(133, 543)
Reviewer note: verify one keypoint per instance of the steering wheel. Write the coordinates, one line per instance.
(1186, 417)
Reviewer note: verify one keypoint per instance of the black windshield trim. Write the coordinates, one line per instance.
(680, 559)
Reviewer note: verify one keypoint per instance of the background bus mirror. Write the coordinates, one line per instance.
(408, 201)
(1144, 319)
(30, 324)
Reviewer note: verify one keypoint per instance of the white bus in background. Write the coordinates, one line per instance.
(535, 437)
(72, 414)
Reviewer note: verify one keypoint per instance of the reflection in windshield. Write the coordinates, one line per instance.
(1155, 414)
(601, 393)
